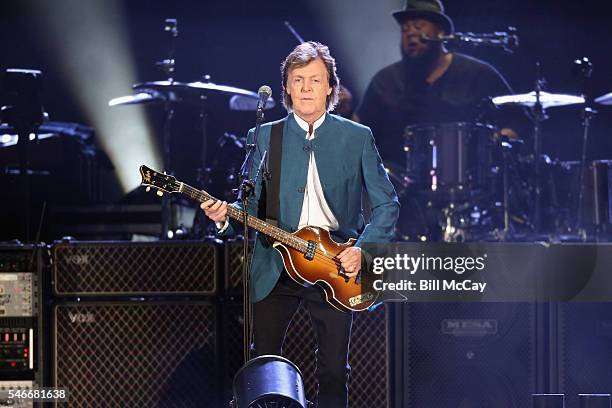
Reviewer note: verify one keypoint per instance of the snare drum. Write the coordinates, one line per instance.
(450, 157)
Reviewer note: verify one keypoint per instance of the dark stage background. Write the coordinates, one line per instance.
(241, 43)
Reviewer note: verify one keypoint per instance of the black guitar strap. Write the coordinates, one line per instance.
(275, 151)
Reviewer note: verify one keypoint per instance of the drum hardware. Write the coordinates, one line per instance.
(585, 69)
(449, 160)
(204, 94)
(449, 172)
(453, 222)
(505, 149)
(602, 197)
(530, 100)
(168, 99)
(22, 93)
(451, 232)
(587, 116)
(469, 221)
(538, 101)
(219, 175)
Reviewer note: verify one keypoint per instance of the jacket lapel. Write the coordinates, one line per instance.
(294, 171)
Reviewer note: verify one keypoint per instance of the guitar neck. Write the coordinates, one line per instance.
(265, 228)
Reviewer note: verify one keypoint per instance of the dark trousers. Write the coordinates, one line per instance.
(271, 317)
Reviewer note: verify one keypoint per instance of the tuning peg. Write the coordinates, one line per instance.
(160, 193)
(148, 189)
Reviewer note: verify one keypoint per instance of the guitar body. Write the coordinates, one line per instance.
(344, 294)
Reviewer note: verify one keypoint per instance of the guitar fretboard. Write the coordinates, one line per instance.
(265, 228)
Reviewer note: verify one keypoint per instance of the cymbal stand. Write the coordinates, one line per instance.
(585, 68)
(23, 111)
(587, 115)
(200, 222)
(168, 67)
(539, 116)
(505, 151)
(167, 137)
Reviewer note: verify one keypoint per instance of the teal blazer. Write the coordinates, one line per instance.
(348, 163)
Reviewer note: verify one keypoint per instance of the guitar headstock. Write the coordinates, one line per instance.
(163, 183)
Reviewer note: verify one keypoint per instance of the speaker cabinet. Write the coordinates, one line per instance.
(468, 355)
(137, 354)
(123, 268)
(585, 350)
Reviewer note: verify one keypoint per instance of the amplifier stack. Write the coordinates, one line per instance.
(160, 324)
(137, 324)
(21, 342)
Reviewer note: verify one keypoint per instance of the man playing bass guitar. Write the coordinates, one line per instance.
(326, 163)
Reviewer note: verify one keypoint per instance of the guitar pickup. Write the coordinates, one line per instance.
(310, 251)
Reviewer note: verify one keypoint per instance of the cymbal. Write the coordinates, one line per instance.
(605, 99)
(548, 100)
(208, 93)
(140, 97)
(240, 100)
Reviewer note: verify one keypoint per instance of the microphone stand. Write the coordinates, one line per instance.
(245, 192)
(168, 67)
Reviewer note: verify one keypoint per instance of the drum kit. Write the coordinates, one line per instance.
(467, 182)
(460, 181)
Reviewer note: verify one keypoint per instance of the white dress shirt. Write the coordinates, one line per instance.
(315, 211)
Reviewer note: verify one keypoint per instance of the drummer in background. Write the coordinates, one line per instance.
(429, 84)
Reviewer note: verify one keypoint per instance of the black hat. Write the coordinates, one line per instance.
(430, 9)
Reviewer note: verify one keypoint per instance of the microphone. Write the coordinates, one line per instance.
(439, 39)
(264, 93)
(508, 41)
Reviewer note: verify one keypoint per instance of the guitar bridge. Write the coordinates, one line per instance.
(310, 251)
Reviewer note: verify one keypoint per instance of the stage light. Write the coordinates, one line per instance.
(90, 39)
(268, 382)
(378, 44)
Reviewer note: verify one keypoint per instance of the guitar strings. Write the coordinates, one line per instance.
(199, 194)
